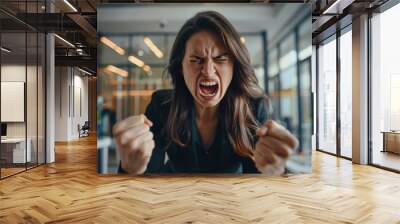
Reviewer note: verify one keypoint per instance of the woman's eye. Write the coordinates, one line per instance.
(221, 58)
(195, 60)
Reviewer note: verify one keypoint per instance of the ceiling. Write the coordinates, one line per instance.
(332, 15)
(169, 18)
(79, 27)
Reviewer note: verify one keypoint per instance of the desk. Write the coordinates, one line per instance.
(391, 141)
(15, 148)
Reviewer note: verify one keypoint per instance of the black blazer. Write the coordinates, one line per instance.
(171, 158)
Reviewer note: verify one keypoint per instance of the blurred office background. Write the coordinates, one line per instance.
(133, 52)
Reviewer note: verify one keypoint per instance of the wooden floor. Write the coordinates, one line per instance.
(70, 191)
(10, 171)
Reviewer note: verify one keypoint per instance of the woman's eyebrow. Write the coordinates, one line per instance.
(222, 54)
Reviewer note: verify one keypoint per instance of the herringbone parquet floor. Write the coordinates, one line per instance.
(70, 191)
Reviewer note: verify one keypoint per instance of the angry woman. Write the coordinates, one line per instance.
(216, 117)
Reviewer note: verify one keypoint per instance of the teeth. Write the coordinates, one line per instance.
(208, 83)
(207, 94)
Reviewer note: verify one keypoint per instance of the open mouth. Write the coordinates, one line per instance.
(208, 88)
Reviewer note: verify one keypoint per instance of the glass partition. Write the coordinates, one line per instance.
(288, 84)
(22, 88)
(15, 151)
(31, 98)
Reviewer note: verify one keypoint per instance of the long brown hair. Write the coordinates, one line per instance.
(236, 108)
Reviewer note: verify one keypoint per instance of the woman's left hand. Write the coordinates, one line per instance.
(273, 148)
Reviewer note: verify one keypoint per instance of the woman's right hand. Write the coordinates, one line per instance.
(135, 143)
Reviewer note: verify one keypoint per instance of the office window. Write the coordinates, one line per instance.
(304, 58)
(305, 35)
(288, 84)
(346, 94)
(385, 89)
(254, 44)
(273, 80)
(327, 96)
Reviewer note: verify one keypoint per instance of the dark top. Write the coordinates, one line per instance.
(219, 158)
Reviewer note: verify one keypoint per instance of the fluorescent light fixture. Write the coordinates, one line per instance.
(70, 5)
(141, 92)
(243, 40)
(153, 47)
(146, 68)
(84, 71)
(112, 45)
(136, 61)
(5, 50)
(337, 6)
(65, 41)
(116, 70)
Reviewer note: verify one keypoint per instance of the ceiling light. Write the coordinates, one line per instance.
(116, 70)
(243, 40)
(86, 72)
(140, 53)
(70, 5)
(65, 41)
(146, 68)
(153, 47)
(136, 61)
(5, 50)
(112, 45)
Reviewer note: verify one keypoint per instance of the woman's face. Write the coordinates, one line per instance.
(207, 68)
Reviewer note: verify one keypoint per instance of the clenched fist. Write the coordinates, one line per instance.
(135, 143)
(273, 148)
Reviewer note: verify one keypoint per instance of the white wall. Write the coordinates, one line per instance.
(71, 87)
(61, 103)
(79, 117)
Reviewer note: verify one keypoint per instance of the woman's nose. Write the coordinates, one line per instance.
(208, 67)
